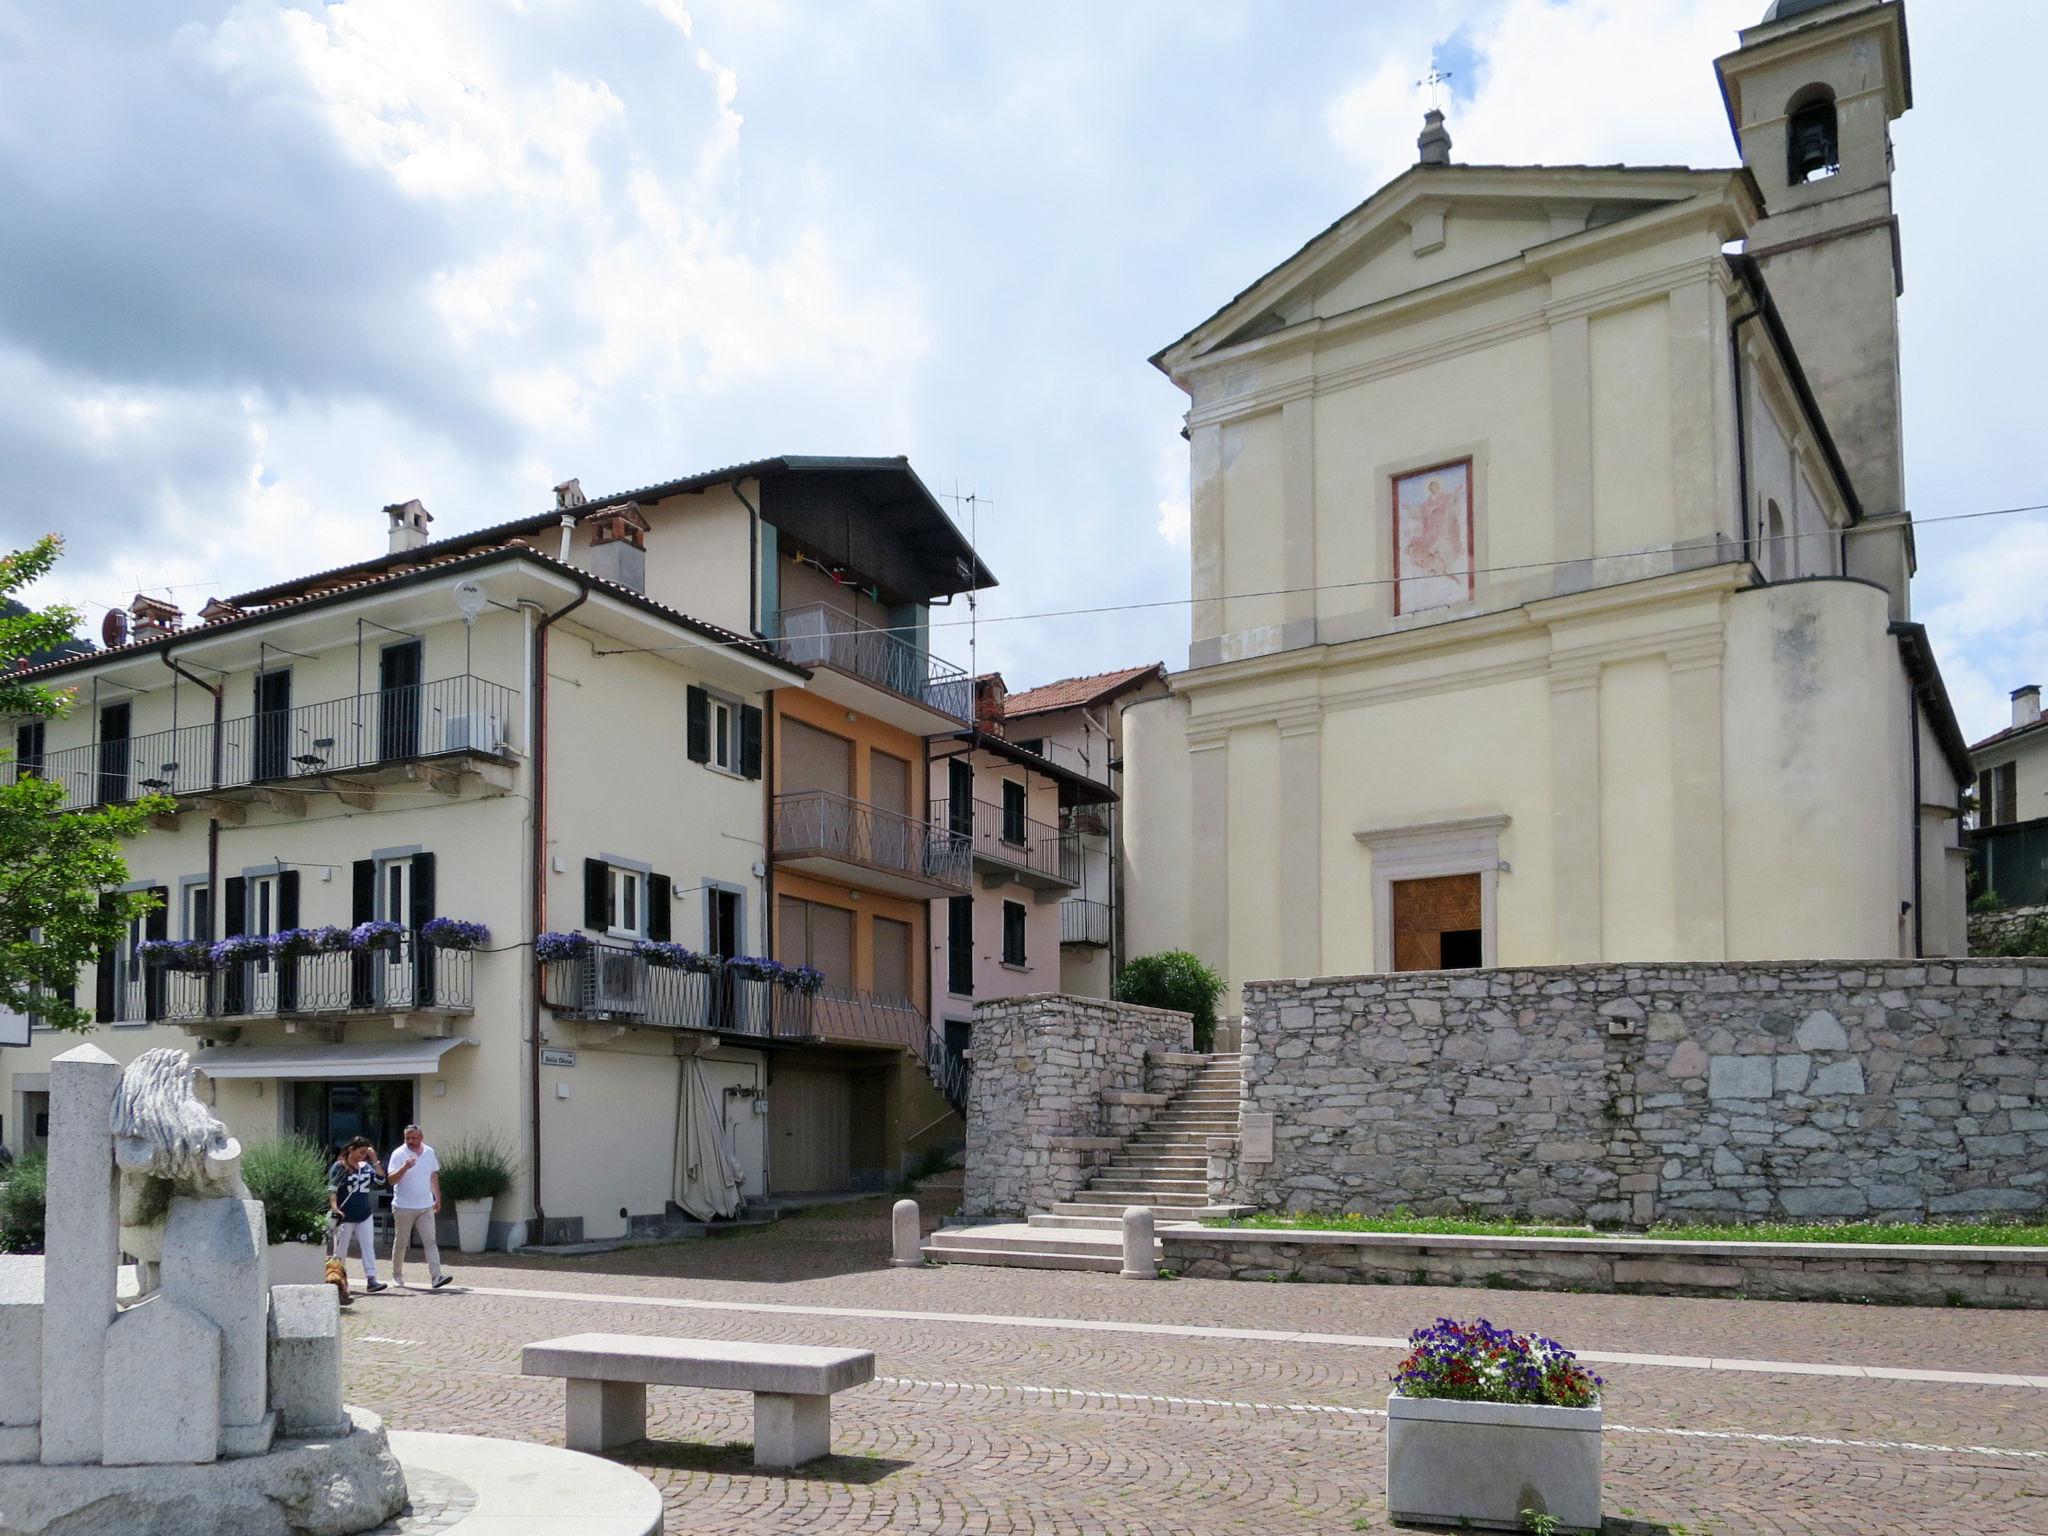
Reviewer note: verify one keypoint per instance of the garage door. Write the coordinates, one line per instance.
(810, 1125)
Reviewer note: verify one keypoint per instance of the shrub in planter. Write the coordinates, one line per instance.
(474, 1173)
(22, 1187)
(1491, 1428)
(1178, 980)
(289, 1176)
(561, 946)
(454, 933)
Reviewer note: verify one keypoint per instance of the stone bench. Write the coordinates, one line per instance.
(606, 1376)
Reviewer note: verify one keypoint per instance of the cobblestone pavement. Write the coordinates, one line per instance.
(979, 1427)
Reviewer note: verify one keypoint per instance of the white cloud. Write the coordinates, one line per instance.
(1171, 476)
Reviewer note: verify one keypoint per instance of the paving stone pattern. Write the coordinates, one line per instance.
(1629, 1094)
(982, 1428)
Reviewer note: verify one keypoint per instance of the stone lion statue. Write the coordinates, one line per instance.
(166, 1142)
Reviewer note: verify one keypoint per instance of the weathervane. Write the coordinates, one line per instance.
(1435, 78)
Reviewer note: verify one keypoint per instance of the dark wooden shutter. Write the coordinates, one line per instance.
(1013, 933)
(658, 891)
(287, 917)
(750, 741)
(596, 894)
(423, 955)
(156, 926)
(697, 716)
(234, 920)
(103, 973)
(960, 945)
(362, 988)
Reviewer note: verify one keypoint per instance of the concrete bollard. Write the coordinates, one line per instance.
(1140, 1262)
(906, 1236)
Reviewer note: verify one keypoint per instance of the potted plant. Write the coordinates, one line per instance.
(289, 1176)
(549, 947)
(478, 1170)
(1493, 1429)
(236, 948)
(454, 933)
(177, 954)
(380, 935)
(673, 957)
(296, 943)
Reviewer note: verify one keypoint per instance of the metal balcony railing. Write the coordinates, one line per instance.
(818, 822)
(1084, 922)
(411, 978)
(455, 715)
(613, 982)
(819, 634)
(1018, 842)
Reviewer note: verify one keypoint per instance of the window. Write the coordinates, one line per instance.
(812, 933)
(722, 733)
(1812, 147)
(28, 750)
(891, 944)
(960, 946)
(1998, 795)
(1013, 933)
(722, 920)
(1013, 813)
(113, 754)
(1777, 548)
(627, 902)
(198, 911)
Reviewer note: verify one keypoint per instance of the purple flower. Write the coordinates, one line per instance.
(454, 933)
(561, 946)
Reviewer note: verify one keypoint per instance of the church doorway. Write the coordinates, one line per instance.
(1437, 923)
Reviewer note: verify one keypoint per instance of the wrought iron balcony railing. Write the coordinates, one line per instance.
(450, 717)
(822, 824)
(612, 982)
(1084, 922)
(410, 978)
(1016, 842)
(819, 634)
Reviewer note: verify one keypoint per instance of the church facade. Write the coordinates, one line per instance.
(1551, 569)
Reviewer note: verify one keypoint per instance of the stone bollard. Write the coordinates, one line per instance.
(905, 1236)
(1140, 1262)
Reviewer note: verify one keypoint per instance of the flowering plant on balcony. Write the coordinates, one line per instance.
(1476, 1362)
(382, 934)
(674, 957)
(454, 933)
(805, 980)
(236, 948)
(176, 954)
(802, 979)
(293, 942)
(561, 946)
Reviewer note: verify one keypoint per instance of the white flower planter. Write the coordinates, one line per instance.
(1482, 1464)
(473, 1224)
(297, 1264)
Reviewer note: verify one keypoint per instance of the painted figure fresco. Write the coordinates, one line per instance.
(1433, 537)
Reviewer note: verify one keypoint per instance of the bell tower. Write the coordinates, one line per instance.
(1811, 95)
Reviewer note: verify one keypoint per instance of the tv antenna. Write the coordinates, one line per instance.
(973, 502)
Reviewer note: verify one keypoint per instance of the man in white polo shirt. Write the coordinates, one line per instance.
(415, 1178)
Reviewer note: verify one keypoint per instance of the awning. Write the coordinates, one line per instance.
(371, 1058)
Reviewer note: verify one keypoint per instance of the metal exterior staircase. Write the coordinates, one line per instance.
(1164, 1165)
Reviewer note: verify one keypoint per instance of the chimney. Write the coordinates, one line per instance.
(569, 496)
(1435, 140)
(217, 609)
(2026, 705)
(991, 703)
(408, 525)
(618, 545)
(153, 617)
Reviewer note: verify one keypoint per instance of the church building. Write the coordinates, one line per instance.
(1551, 566)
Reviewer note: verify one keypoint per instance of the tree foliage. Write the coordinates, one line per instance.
(59, 869)
(1174, 979)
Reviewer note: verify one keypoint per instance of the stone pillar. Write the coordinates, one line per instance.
(1209, 851)
(1700, 897)
(1140, 1261)
(906, 1238)
(305, 1360)
(1206, 619)
(82, 1244)
(1298, 522)
(1571, 453)
(1575, 810)
(1301, 844)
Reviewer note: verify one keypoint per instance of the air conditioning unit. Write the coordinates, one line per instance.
(617, 983)
(477, 731)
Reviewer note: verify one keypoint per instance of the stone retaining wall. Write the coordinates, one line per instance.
(1988, 929)
(1627, 1094)
(1911, 1275)
(1057, 1083)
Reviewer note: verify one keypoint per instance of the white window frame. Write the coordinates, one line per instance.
(1466, 844)
(625, 890)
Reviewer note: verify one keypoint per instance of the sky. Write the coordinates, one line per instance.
(266, 267)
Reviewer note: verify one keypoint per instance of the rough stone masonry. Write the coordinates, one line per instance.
(1627, 1094)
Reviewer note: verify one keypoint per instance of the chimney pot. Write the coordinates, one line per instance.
(2026, 704)
(569, 494)
(409, 522)
(1434, 141)
(153, 616)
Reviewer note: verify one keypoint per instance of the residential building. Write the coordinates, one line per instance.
(1077, 722)
(614, 721)
(2009, 836)
(1550, 569)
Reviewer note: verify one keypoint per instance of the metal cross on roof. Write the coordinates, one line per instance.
(1434, 79)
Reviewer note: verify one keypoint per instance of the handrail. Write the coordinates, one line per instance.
(407, 978)
(1036, 846)
(822, 822)
(1084, 921)
(615, 982)
(819, 634)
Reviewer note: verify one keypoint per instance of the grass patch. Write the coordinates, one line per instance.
(1992, 1234)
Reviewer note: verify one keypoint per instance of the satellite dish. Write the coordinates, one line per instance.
(470, 600)
(114, 628)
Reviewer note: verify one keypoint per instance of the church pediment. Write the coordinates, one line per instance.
(1435, 223)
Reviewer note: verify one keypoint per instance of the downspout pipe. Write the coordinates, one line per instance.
(1919, 904)
(1741, 429)
(539, 741)
(753, 562)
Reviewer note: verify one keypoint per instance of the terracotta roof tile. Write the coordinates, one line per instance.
(1071, 691)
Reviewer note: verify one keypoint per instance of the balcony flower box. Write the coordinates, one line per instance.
(294, 943)
(1487, 1428)
(675, 957)
(237, 948)
(550, 947)
(373, 937)
(454, 933)
(190, 955)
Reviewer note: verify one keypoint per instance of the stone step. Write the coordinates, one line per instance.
(1055, 1222)
(1145, 1178)
(1016, 1258)
(1021, 1238)
(1127, 1197)
(1176, 1215)
(1171, 1166)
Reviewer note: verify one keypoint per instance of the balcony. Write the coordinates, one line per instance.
(1084, 922)
(614, 985)
(836, 838)
(456, 717)
(874, 671)
(414, 983)
(1009, 847)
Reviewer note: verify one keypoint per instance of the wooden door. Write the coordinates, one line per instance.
(810, 1121)
(1437, 923)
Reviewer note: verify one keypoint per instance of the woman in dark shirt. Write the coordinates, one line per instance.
(349, 1183)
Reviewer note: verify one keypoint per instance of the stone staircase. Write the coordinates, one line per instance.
(1164, 1164)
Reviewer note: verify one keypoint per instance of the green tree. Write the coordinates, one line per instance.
(58, 869)
(1175, 979)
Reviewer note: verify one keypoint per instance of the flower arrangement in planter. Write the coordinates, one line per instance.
(291, 943)
(804, 980)
(454, 933)
(561, 946)
(236, 948)
(177, 954)
(1493, 1429)
(674, 957)
(382, 934)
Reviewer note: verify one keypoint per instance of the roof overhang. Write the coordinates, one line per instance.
(1075, 788)
(368, 1058)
